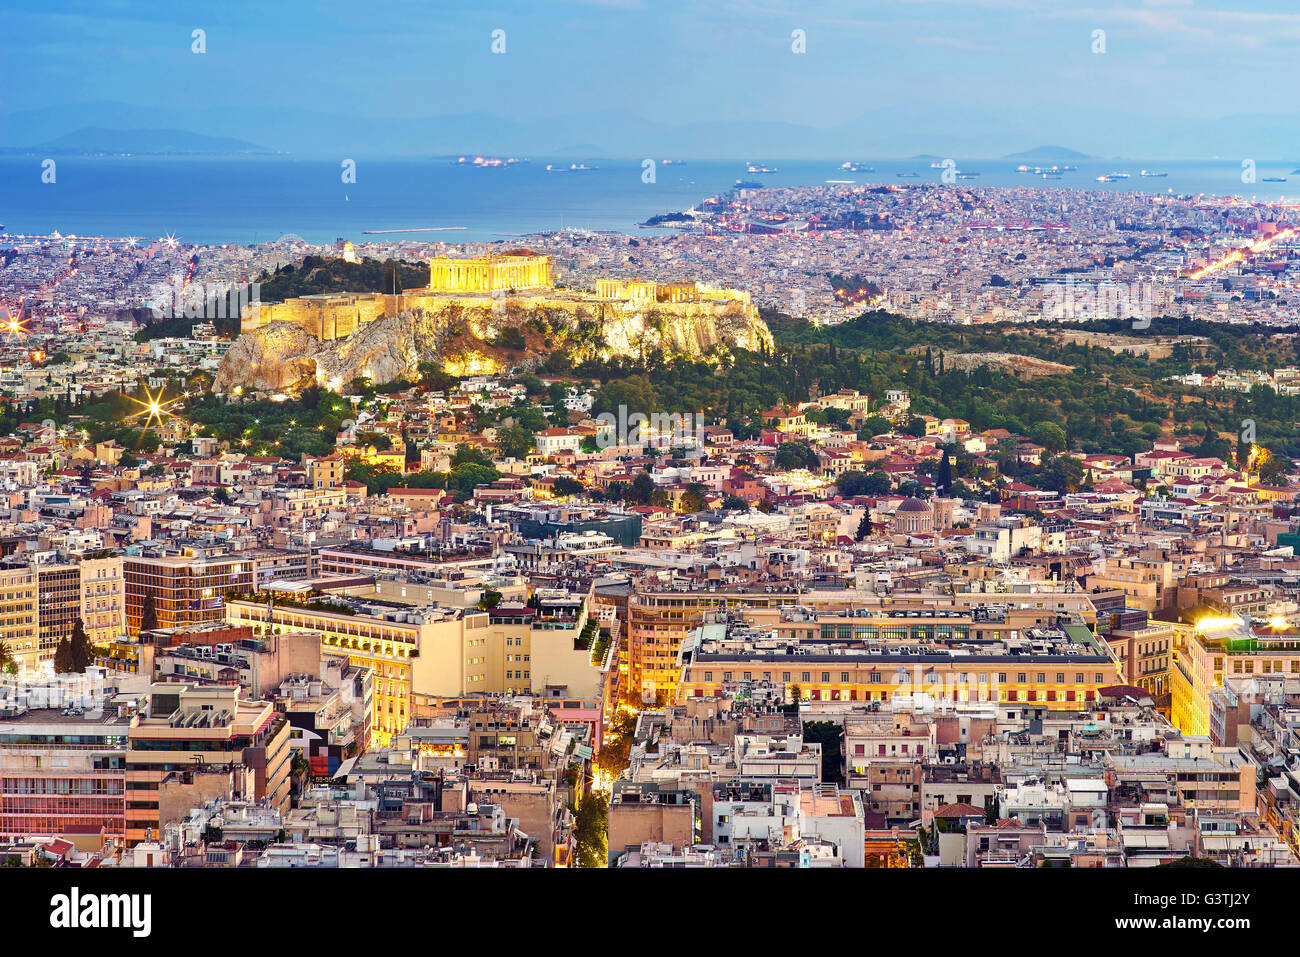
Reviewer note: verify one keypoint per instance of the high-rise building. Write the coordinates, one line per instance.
(59, 606)
(185, 590)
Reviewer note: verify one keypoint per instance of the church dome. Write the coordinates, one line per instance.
(913, 505)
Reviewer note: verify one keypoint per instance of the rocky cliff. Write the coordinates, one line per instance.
(486, 335)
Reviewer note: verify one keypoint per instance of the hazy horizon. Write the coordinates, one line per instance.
(625, 78)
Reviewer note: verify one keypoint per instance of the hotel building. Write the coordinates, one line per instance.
(186, 591)
(1056, 668)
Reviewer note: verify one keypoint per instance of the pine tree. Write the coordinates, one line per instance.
(148, 614)
(865, 527)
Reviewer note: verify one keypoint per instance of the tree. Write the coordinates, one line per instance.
(590, 831)
(692, 499)
(865, 527)
(148, 614)
(796, 455)
(515, 442)
(640, 489)
(1049, 435)
(7, 662)
(565, 487)
(81, 650)
(943, 481)
(63, 663)
(862, 483)
(735, 502)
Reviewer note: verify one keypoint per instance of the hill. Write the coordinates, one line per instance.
(1048, 152)
(321, 274)
(94, 139)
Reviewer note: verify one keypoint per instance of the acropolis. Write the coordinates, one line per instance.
(520, 277)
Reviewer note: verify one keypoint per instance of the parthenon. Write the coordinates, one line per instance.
(490, 273)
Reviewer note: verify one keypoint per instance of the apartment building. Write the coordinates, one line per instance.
(103, 598)
(20, 618)
(1056, 668)
(63, 774)
(409, 650)
(59, 606)
(1214, 650)
(183, 728)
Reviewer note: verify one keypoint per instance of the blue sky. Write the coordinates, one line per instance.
(969, 68)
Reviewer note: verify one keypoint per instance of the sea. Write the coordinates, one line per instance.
(247, 200)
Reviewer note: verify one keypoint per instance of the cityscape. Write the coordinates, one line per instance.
(835, 506)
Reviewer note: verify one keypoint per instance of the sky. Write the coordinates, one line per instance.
(1194, 77)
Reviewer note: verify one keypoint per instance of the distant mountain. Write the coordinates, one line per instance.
(94, 139)
(1048, 152)
(890, 130)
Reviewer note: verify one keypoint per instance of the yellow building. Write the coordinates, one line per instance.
(19, 617)
(528, 648)
(1218, 647)
(408, 650)
(103, 599)
(1057, 669)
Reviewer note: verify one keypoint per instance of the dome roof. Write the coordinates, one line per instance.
(913, 505)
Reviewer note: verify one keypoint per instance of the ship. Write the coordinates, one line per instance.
(909, 175)
(1119, 175)
(851, 167)
(1105, 179)
(839, 182)
(967, 175)
(754, 168)
(1151, 174)
(1273, 179)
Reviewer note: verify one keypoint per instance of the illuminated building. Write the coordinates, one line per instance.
(63, 774)
(522, 270)
(408, 650)
(660, 617)
(479, 283)
(19, 618)
(186, 590)
(1219, 648)
(945, 656)
(103, 598)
